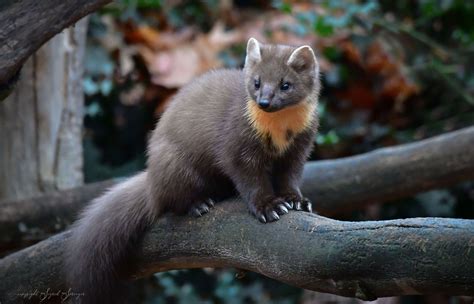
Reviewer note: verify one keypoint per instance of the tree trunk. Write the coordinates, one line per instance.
(41, 121)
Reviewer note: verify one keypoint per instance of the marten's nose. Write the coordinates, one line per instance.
(263, 103)
(265, 97)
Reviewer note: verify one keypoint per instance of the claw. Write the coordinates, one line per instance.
(288, 205)
(307, 205)
(273, 216)
(200, 208)
(203, 208)
(281, 209)
(195, 212)
(298, 206)
(210, 203)
(262, 218)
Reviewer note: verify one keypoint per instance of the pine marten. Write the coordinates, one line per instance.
(247, 131)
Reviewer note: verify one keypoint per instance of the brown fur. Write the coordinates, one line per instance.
(209, 144)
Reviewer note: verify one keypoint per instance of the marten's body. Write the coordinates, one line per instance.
(229, 131)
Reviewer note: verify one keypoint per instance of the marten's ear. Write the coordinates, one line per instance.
(303, 60)
(253, 52)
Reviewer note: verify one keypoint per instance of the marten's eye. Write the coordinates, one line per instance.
(257, 83)
(285, 86)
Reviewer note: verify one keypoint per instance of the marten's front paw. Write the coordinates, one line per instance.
(201, 208)
(269, 209)
(298, 202)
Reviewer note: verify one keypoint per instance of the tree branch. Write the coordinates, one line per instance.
(25, 25)
(334, 185)
(357, 259)
(27, 221)
(390, 173)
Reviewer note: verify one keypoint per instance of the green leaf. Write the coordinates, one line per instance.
(329, 138)
(283, 6)
(332, 53)
(106, 87)
(90, 87)
(143, 3)
(323, 28)
(93, 109)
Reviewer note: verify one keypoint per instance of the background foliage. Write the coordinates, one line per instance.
(392, 72)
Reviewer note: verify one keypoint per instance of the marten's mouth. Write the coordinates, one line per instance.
(270, 109)
(267, 107)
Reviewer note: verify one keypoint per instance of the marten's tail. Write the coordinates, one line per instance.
(102, 240)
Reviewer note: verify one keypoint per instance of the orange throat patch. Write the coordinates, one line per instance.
(281, 126)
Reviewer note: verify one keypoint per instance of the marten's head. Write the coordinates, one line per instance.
(282, 86)
(280, 76)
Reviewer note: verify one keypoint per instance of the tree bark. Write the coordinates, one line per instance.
(41, 121)
(28, 221)
(390, 173)
(334, 185)
(25, 25)
(355, 259)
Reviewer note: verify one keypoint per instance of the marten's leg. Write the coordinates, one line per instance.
(180, 184)
(252, 181)
(288, 170)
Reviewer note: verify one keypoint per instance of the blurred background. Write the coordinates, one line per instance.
(392, 71)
